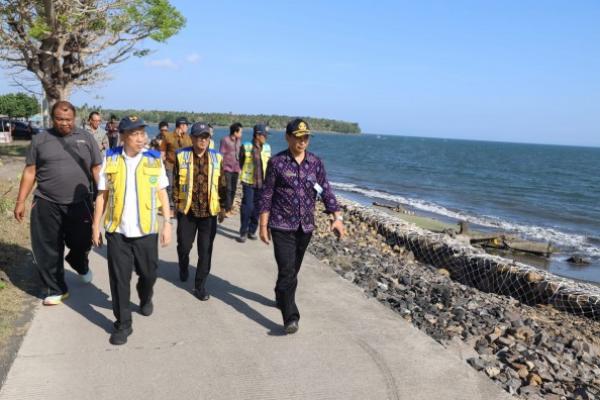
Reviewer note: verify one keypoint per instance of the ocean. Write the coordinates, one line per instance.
(541, 192)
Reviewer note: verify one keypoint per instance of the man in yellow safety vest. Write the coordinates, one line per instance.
(131, 186)
(253, 162)
(199, 188)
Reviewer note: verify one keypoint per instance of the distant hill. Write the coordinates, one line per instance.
(223, 119)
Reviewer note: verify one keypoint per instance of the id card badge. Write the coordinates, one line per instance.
(318, 189)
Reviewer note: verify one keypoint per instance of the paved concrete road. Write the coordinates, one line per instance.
(233, 347)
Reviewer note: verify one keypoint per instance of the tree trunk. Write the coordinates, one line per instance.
(56, 93)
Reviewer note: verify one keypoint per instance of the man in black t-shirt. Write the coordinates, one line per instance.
(64, 162)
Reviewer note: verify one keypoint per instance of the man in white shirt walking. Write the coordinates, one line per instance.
(132, 183)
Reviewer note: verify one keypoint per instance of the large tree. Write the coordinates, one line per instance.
(69, 43)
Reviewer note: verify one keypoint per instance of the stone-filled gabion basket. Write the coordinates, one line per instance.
(471, 266)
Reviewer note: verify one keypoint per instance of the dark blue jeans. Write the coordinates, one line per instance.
(249, 212)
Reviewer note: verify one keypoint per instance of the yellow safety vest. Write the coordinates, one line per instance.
(248, 167)
(185, 161)
(147, 175)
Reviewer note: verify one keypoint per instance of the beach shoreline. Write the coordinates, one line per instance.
(555, 262)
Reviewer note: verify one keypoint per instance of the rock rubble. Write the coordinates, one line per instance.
(533, 352)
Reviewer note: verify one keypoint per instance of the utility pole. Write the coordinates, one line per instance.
(44, 108)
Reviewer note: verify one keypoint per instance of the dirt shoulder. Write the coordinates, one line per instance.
(19, 282)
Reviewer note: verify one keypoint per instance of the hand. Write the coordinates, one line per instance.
(165, 235)
(221, 217)
(96, 236)
(265, 234)
(337, 227)
(19, 211)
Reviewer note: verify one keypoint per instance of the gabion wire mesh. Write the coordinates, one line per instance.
(471, 266)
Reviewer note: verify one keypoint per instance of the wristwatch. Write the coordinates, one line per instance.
(339, 218)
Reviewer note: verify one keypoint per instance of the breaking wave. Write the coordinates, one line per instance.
(565, 242)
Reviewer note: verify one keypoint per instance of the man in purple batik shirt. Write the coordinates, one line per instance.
(295, 179)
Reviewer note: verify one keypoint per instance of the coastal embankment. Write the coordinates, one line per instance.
(533, 333)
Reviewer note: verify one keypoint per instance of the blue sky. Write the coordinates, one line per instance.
(525, 71)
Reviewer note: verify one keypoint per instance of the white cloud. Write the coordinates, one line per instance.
(193, 58)
(163, 63)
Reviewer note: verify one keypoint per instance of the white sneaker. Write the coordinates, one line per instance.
(87, 278)
(55, 300)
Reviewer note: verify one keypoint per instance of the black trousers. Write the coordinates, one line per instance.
(187, 226)
(289, 253)
(52, 227)
(125, 255)
(231, 178)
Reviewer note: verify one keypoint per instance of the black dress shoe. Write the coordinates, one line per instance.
(252, 236)
(147, 308)
(291, 327)
(119, 336)
(184, 274)
(202, 296)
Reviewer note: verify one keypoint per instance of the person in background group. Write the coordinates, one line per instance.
(211, 145)
(155, 144)
(64, 162)
(163, 129)
(295, 180)
(112, 131)
(93, 127)
(230, 150)
(131, 186)
(253, 162)
(199, 190)
(173, 141)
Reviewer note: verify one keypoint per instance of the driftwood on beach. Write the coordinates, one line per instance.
(501, 241)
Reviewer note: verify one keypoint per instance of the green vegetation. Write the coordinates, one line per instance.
(226, 119)
(13, 150)
(18, 105)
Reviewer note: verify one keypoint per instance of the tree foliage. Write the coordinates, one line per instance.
(226, 119)
(18, 105)
(67, 43)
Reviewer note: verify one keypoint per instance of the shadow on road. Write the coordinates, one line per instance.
(218, 288)
(84, 298)
(226, 292)
(227, 232)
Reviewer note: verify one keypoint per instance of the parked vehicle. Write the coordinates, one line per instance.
(19, 130)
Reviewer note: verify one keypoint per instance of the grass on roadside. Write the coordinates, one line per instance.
(17, 277)
(15, 149)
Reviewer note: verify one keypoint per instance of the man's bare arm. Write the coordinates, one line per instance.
(25, 187)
